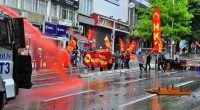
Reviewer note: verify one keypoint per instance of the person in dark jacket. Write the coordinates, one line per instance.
(116, 60)
(161, 60)
(148, 61)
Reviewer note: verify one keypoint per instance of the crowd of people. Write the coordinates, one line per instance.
(146, 58)
(120, 59)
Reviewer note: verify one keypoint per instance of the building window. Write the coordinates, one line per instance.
(67, 13)
(35, 5)
(71, 15)
(85, 7)
(64, 13)
(54, 10)
(38, 6)
(12, 3)
(27, 5)
(42, 7)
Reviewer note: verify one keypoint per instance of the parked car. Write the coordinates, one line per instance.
(2, 94)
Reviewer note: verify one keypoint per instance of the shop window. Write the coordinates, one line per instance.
(54, 10)
(12, 3)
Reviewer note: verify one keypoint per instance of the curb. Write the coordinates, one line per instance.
(83, 75)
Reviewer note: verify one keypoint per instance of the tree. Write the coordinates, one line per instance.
(175, 19)
(194, 8)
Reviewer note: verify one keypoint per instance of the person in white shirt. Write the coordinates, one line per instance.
(176, 57)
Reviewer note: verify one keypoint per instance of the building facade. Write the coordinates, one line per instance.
(52, 17)
(101, 18)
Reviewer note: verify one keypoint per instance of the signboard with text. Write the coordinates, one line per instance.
(61, 30)
(54, 29)
(49, 29)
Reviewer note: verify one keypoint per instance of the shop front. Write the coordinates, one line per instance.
(103, 27)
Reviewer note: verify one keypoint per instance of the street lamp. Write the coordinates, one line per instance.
(131, 13)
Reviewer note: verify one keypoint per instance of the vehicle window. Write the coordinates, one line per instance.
(3, 33)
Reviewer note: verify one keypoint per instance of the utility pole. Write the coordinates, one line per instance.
(113, 37)
(171, 49)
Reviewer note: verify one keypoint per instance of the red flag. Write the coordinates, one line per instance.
(121, 44)
(107, 42)
(156, 29)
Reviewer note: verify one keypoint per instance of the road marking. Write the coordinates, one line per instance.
(138, 100)
(122, 83)
(171, 72)
(41, 85)
(149, 96)
(50, 78)
(41, 74)
(183, 83)
(78, 93)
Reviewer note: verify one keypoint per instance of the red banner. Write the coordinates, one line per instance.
(156, 30)
(100, 58)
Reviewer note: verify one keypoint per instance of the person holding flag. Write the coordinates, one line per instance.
(140, 60)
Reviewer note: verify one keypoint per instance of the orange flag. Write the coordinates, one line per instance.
(71, 45)
(132, 46)
(121, 44)
(128, 43)
(107, 42)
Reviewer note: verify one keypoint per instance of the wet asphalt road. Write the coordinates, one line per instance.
(108, 92)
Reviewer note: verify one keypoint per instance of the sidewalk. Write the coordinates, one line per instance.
(88, 73)
(133, 67)
(97, 73)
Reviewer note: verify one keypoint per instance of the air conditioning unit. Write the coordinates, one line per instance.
(75, 24)
(24, 14)
(80, 28)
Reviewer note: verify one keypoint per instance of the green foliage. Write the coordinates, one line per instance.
(175, 19)
(194, 8)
